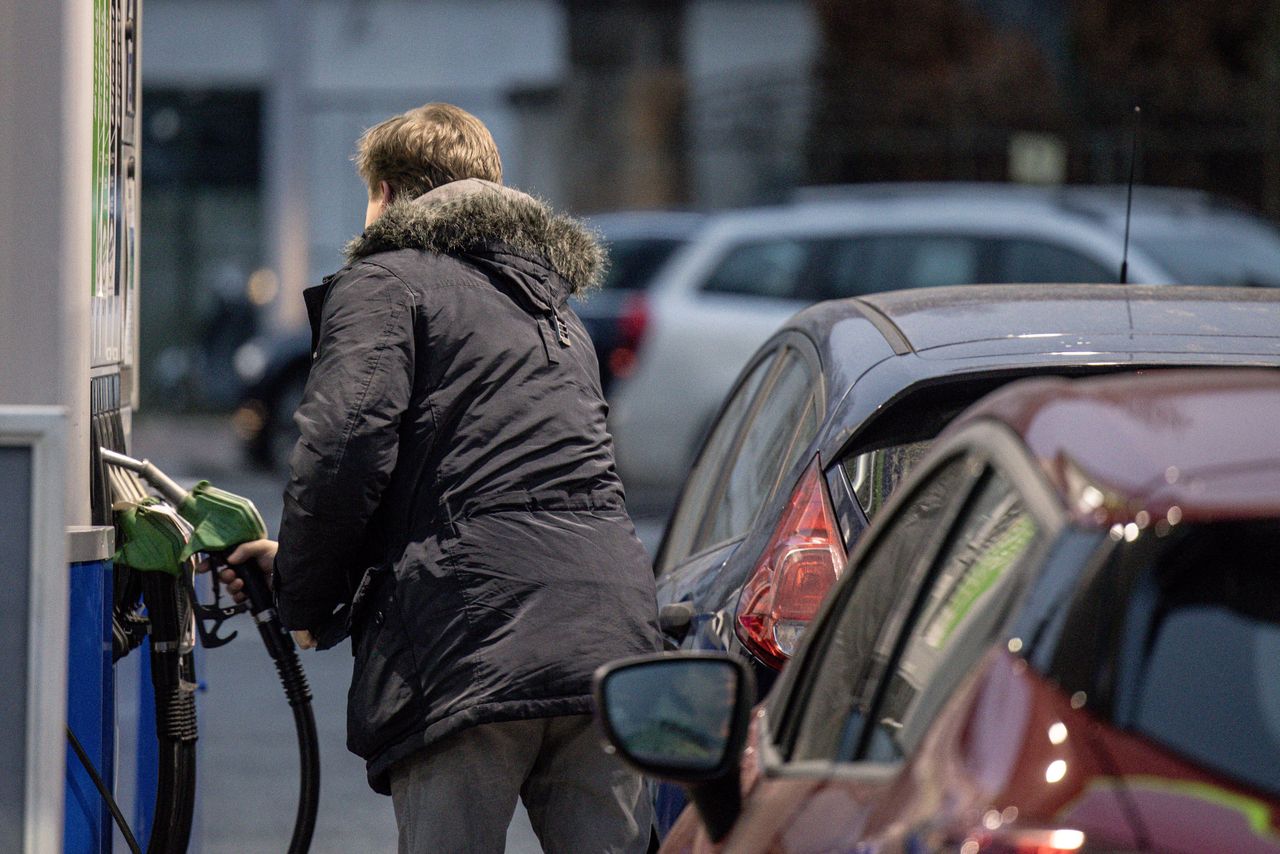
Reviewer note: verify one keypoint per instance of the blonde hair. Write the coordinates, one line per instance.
(425, 147)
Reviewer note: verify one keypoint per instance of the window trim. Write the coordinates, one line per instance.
(802, 346)
(774, 765)
(919, 598)
(775, 349)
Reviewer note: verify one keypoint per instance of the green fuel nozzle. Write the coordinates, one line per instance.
(221, 520)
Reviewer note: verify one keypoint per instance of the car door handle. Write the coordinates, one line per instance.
(674, 620)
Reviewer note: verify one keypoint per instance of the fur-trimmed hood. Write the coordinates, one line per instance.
(469, 216)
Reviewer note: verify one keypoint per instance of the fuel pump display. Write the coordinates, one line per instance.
(159, 541)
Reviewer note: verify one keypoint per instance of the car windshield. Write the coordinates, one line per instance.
(1197, 665)
(634, 260)
(1220, 253)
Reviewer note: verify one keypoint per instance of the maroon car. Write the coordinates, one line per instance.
(1062, 634)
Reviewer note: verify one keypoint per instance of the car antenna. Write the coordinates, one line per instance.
(1128, 205)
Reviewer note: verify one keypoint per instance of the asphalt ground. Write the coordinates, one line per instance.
(248, 766)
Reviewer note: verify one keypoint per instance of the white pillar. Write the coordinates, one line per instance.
(288, 158)
(46, 118)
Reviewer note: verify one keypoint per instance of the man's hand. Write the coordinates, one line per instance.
(263, 553)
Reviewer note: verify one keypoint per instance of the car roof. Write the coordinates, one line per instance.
(928, 318)
(1157, 449)
(880, 350)
(963, 320)
(1101, 207)
(1098, 200)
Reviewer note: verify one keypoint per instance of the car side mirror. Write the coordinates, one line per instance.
(682, 717)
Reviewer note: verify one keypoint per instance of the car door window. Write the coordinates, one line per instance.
(633, 261)
(849, 270)
(957, 616)
(768, 268)
(876, 475)
(783, 425)
(927, 260)
(841, 667)
(721, 444)
(1176, 637)
(885, 262)
(1039, 261)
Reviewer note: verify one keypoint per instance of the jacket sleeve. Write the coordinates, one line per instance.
(358, 389)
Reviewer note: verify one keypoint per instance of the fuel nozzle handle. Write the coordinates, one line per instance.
(263, 608)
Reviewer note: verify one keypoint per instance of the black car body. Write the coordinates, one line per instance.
(887, 371)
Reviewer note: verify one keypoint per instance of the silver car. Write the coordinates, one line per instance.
(722, 295)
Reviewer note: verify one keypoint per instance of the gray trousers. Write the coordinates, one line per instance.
(459, 795)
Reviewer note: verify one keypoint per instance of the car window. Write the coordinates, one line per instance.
(841, 664)
(779, 432)
(1038, 261)
(957, 619)
(1186, 619)
(876, 475)
(925, 260)
(885, 262)
(634, 260)
(721, 443)
(772, 268)
(1219, 252)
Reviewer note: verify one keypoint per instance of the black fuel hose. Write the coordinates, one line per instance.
(284, 653)
(104, 791)
(173, 681)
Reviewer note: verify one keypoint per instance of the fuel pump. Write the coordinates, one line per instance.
(160, 540)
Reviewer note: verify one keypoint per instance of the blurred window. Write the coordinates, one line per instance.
(775, 269)
(863, 265)
(721, 444)
(956, 620)
(848, 651)
(784, 423)
(1178, 639)
(1247, 256)
(1037, 261)
(633, 261)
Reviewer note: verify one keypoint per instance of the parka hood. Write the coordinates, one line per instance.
(475, 217)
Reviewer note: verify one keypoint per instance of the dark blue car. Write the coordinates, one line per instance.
(832, 412)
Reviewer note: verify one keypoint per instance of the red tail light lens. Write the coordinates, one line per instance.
(634, 320)
(800, 564)
(632, 324)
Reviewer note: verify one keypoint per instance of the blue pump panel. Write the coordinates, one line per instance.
(91, 699)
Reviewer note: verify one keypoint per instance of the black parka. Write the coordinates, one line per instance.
(453, 501)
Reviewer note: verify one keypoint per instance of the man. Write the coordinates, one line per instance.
(453, 503)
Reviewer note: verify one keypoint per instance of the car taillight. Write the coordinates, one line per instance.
(799, 566)
(632, 324)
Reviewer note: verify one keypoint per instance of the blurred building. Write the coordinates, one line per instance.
(1044, 89)
(254, 107)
